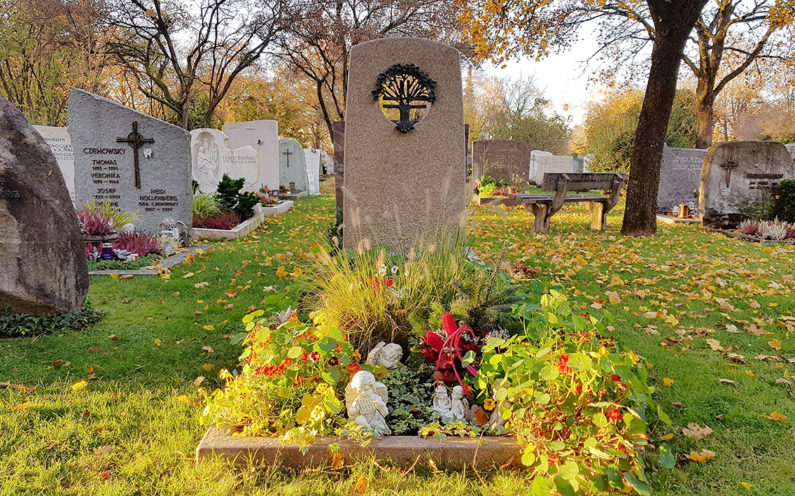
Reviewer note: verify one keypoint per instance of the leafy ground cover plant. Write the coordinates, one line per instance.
(15, 324)
(122, 264)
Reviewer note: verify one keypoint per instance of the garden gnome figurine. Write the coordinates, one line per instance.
(366, 399)
(386, 355)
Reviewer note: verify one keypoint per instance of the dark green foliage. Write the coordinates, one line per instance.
(121, 264)
(410, 393)
(783, 198)
(483, 301)
(16, 324)
(230, 197)
(245, 205)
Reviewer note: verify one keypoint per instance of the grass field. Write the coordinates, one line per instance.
(685, 300)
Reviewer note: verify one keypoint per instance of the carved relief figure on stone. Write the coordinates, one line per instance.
(206, 156)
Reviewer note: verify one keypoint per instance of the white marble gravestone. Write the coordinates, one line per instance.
(263, 136)
(136, 162)
(212, 158)
(292, 164)
(534, 155)
(326, 162)
(791, 149)
(739, 171)
(551, 164)
(61, 146)
(312, 157)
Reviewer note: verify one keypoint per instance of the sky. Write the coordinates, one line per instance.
(562, 77)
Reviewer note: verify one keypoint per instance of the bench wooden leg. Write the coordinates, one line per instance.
(541, 223)
(598, 216)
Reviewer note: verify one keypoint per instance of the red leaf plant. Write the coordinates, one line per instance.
(447, 351)
(138, 243)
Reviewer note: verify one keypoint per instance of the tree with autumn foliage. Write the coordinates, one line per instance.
(500, 29)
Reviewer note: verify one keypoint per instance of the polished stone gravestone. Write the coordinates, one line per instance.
(42, 258)
(404, 173)
(61, 146)
(552, 164)
(212, 158)
(292, 165)
(738, 171)
(680, 175)
(138, 163)
(263, 136)
(312, 157)
(504, 160)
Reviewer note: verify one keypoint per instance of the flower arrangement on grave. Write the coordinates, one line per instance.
(268, 198)
(480, 356)
(110, 234)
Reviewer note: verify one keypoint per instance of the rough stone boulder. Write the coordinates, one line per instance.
(42, 260)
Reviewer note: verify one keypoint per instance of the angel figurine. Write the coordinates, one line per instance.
(366, 399)
(386, 355)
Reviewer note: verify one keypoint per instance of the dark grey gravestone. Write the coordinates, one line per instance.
(680, 175)
(504, 160)
(338, 137)
(106, 137)
(738, 171)
(42, 259)
(292, 164)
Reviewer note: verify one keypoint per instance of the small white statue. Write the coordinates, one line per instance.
(386, 355)
(459, 407)
(128, 228)
(365, 399)
(442, 403)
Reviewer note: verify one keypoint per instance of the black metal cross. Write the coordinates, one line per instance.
(728, 167)
(288, 153)
(136, 141)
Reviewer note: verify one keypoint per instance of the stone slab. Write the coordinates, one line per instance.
(403, 188)
(167, 262)
(104, 167)
(42, 259)
(263, 136)
(791, 149)
(338, 138)
(552, 164)
(504, 160)
(680, 176)
(240, 231)
(401, 451)
(279, 209)
(738, 171)
(61, 146)
(312, 157)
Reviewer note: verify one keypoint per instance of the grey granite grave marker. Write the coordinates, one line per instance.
(680, 175)
(292, 164)
(138, 163)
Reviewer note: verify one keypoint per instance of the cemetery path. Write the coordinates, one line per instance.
(120, 413)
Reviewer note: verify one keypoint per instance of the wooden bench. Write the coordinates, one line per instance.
(544, 206)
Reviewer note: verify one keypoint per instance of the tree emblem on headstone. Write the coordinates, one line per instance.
(409, 88)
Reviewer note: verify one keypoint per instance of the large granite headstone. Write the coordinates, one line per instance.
(138, 163)
(338, 140)
(504, 160)
(738, 171)
(42, 257)
(404, 174)
(680, 175)
(212, 158)
(552, 164)
(263, 136)
(312, 157)
(292, 164)
(61, 146)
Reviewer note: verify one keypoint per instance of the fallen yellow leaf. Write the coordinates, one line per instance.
(777, 417)
(695, 431)
(668, 382)
(775, 344)
(667, 437)
(79, 385)
(701, 457)
(209, 327)
(746, 485)
(23, 406)
(280, 272)
(361, 485)
(207, 367)
(158, 342)
(182, 399)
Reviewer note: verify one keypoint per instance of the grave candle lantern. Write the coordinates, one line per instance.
(107, 251)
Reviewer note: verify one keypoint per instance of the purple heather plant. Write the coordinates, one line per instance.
(95, 224)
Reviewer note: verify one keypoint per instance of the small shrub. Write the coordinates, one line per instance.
(758, 209)
(749, 227)
(205, 205)
(486, 190)
(228, 190)
(115, 215)
(16, 325)
(223, 220)
(138, 243)
(783, 195)
(245, 205)
(95, 223)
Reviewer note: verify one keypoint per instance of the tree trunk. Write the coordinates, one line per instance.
(705, 115)
(673, 21)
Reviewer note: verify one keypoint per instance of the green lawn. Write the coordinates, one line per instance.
(133, 428)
